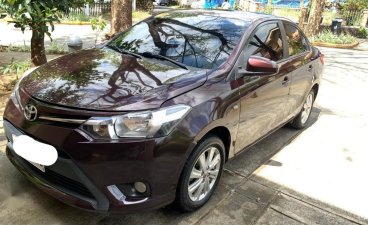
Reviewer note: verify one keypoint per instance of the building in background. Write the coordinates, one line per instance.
(211, 4)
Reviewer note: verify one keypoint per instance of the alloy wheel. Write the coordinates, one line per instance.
(204, 174)
(307, 108)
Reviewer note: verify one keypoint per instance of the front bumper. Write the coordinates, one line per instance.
(86, 168)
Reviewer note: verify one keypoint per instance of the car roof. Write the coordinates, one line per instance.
(235, 14)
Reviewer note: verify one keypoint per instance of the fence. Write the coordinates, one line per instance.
(352, 18)
(93, 9)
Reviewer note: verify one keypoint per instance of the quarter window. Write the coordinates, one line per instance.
(296, 41)
(266, 42)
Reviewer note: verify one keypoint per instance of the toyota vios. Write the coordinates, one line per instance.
(151, 116)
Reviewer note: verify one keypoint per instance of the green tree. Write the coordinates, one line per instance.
(38, 16)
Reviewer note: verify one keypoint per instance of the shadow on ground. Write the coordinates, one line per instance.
(240, 198)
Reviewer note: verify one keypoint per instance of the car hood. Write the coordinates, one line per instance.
(102, 79)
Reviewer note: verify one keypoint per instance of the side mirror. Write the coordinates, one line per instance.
(259, 66)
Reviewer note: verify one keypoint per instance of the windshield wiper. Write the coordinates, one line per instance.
(151, 55)
(122, 51)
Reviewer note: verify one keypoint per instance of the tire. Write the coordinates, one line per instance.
(300, 121)
(194, 176)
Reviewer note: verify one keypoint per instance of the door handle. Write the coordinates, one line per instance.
(310, 67)
(286, 81)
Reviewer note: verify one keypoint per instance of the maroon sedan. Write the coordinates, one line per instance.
(151, 117)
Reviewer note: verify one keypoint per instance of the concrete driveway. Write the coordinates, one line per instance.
(315, 176)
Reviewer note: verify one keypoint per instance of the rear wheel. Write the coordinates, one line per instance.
(201, 174)
(302, 118)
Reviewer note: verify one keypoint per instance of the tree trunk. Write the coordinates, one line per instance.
(303, 13)
(315, 17)
(121, 16)
(38, 55)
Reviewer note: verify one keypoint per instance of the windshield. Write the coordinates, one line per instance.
(196, 40)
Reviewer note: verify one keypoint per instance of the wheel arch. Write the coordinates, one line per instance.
(315, 88)
(221, 132)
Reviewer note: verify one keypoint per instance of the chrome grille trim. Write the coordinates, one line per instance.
(62, 120)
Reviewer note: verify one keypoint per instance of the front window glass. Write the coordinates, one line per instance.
(266, 42)
(197, 40)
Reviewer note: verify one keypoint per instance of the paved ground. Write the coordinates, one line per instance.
(317, 176)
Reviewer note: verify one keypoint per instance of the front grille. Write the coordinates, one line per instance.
(56, 179)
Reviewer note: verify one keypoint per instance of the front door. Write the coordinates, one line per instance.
(263, 98)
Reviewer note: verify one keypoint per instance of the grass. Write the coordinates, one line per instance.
(81, 18)
(54, 48)
(293, 14)
(10, 73)
(328, 37)
(76, 17)
(140, 15)
(16, 68)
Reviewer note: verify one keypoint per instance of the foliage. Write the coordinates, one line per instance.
(355, 5)
(328, 37)
(362, 33)
(15, 67)
(144, 5)
(37, 15)
(98, 25)
(268, 9)
(351, 11)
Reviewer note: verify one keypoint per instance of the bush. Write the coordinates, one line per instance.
(144, 5)
(362, 33)
(328, 37)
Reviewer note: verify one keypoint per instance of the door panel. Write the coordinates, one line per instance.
(300, 66)
(262, 107)
(301, 79)
(263, 98)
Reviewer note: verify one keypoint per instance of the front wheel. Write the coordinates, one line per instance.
(302, 118)
(201, 174)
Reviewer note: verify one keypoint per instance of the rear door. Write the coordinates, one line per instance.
(299, 55)
(263, 98)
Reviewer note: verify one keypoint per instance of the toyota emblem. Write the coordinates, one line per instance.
(30, 112)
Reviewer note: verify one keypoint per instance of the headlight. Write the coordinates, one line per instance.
(138, 124)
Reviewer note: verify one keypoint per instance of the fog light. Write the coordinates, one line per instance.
(140, 187)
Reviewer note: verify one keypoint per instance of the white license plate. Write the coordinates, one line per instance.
(35, 152)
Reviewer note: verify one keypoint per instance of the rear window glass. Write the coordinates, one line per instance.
(296, 41)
